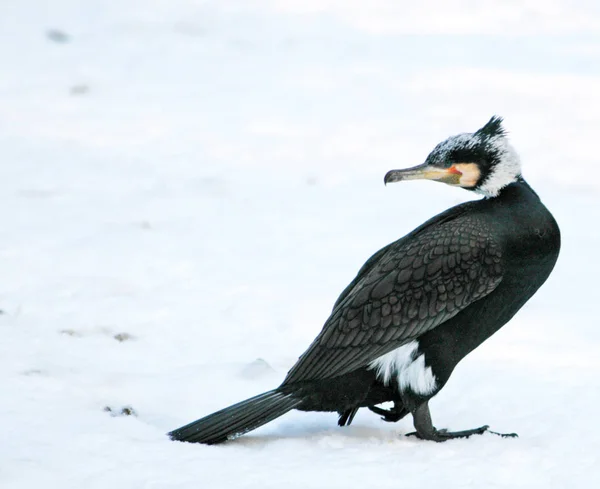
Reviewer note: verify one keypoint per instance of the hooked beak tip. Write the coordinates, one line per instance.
(388, 177)
(393, 176)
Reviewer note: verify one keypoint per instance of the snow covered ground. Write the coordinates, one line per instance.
(187, 186)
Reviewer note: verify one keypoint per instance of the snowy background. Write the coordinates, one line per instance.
(186, 186)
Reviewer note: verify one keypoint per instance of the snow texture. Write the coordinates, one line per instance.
(187, 187)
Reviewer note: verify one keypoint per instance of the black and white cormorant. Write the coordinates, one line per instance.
(421, 304)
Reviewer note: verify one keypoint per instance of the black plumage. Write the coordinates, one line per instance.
(421, 304)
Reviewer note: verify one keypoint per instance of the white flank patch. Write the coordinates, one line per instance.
(505, 172)
(408, 369)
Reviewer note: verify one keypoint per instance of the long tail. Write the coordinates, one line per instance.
(236, 420)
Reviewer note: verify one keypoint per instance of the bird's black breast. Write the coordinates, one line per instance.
(527, 234)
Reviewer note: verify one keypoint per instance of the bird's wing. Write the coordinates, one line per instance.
(447, 215)
(366, 268)
(408, 288)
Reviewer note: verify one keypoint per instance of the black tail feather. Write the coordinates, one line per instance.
(236, 420)
(347, 416)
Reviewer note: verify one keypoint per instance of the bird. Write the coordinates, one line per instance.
(421, 304)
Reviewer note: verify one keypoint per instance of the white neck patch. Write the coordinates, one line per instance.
(505, 172)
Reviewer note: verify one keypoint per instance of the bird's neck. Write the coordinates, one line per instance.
(517, 189)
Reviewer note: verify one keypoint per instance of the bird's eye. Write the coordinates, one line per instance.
(461, 156)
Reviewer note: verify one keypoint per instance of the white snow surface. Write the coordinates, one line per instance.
(186, 187)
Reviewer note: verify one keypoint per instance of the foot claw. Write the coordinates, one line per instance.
(504, 435)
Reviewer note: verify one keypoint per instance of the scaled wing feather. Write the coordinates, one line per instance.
(404, 290)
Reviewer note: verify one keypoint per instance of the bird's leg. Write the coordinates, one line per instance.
(426, 430)
(391, 415)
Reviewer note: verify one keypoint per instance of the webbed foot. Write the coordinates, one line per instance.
(426, 430)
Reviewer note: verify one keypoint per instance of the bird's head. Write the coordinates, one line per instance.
(483, 161)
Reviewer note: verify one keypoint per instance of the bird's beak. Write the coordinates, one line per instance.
(450, 175)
